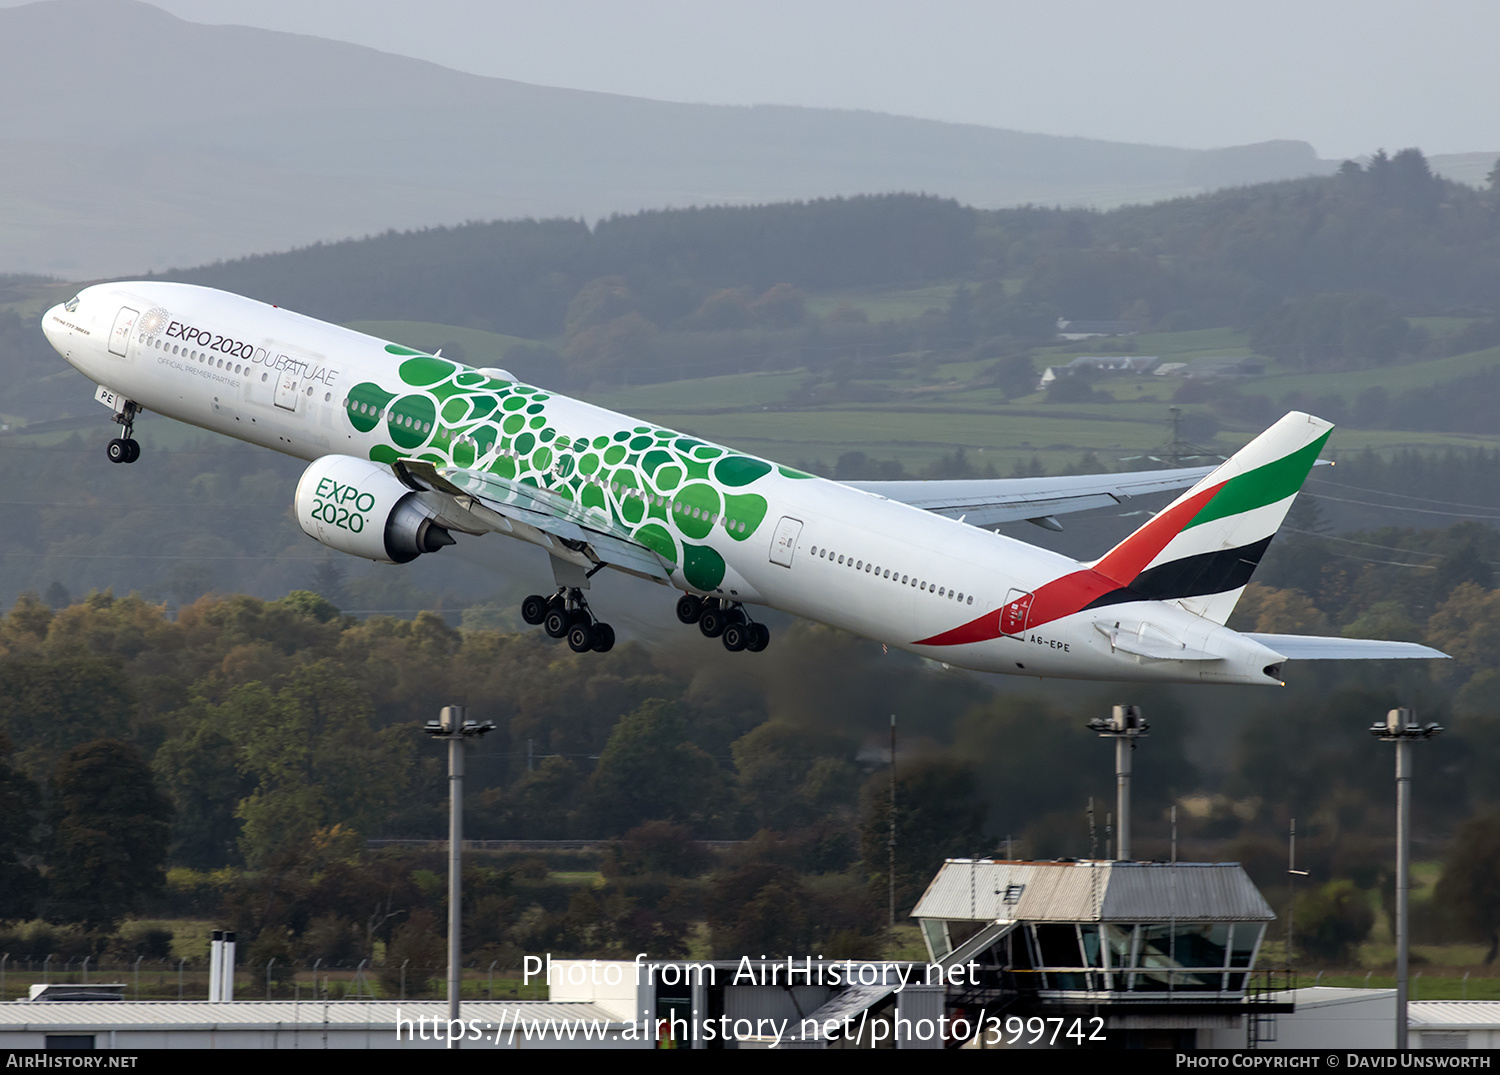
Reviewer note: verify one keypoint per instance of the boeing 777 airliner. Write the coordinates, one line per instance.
(409, 452)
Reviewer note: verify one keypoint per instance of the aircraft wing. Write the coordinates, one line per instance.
(991, 501)
(502, 505)
(1319, 648)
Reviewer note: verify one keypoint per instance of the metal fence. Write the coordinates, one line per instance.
(185, 979)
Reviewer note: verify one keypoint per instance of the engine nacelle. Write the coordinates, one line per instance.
(360, 507)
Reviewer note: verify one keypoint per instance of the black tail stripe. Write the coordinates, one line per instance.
(1192, 576)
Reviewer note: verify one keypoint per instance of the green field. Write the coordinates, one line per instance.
(1394, 379)
(886, 304)
(918, 430)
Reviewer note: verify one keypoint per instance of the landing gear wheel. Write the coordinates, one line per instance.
(604, 638)
(534, 609)
(689, 608)
(581, 637)
(557, 621)
(760, 637)
(125, 449)
(712, 622)
(736, 637)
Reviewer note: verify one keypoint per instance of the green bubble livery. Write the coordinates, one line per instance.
(670, 493)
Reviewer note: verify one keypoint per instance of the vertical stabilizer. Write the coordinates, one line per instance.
(1201, 550)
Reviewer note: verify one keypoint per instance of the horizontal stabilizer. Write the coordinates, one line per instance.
(1316, 648)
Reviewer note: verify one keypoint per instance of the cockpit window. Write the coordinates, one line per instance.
(72, 304)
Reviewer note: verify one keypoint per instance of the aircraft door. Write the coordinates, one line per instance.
(1017, 611)
(784, 541)
(119, 336)
(286, 389)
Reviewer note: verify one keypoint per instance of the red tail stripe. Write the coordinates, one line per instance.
(1060, 597)
(1130, 557)
(1074, 591)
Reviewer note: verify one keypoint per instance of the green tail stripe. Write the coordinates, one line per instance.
(1275, 481)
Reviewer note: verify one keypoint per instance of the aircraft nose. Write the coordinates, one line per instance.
(51, 327)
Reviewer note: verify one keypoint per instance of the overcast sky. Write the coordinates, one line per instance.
(1349, 76)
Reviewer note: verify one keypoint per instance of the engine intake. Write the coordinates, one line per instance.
(360, 507)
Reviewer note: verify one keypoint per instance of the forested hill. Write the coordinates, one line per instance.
(518, 277)
(1392, 230)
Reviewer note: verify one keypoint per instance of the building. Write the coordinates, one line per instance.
(1100, 364)
(317, 1024)
(1083, 330)
(1159, 954)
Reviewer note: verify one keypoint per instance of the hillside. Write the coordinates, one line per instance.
(203, 153)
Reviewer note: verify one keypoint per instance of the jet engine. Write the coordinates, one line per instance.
(360, 507)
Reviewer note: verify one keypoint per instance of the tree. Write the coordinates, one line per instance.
(650, 771)
(110, 831)
(1467, 626)
(198, 769)
(314, 757)
(790, 775)
(20, 881)
(1333, 920)
(48, 706)
(1470, 885)
(938, 815)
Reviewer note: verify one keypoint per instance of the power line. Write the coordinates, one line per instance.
(1398, 507)
(1367, 544)
(1402, 496)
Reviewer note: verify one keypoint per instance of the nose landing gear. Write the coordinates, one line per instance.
(125, 449)
(724, 620)
(566, 614)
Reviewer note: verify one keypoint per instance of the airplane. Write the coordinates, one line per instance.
(409, 452)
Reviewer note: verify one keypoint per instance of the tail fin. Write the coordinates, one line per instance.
(1201, 550)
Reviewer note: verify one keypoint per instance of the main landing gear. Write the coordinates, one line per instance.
(567, 615)
(724, 620)
(125, 449)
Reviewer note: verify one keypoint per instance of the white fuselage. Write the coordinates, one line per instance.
(282, 380)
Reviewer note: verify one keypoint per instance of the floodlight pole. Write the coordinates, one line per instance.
(1401, 728)
(452, 727)
(1124, 725)
(891, 835)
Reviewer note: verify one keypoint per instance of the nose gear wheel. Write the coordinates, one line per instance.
(125, 449)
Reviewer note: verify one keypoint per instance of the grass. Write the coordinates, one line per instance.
(918, 429)
(886, 305)
(1348, 384)
(1442, 326)
(1423, 984)
(581, 878)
